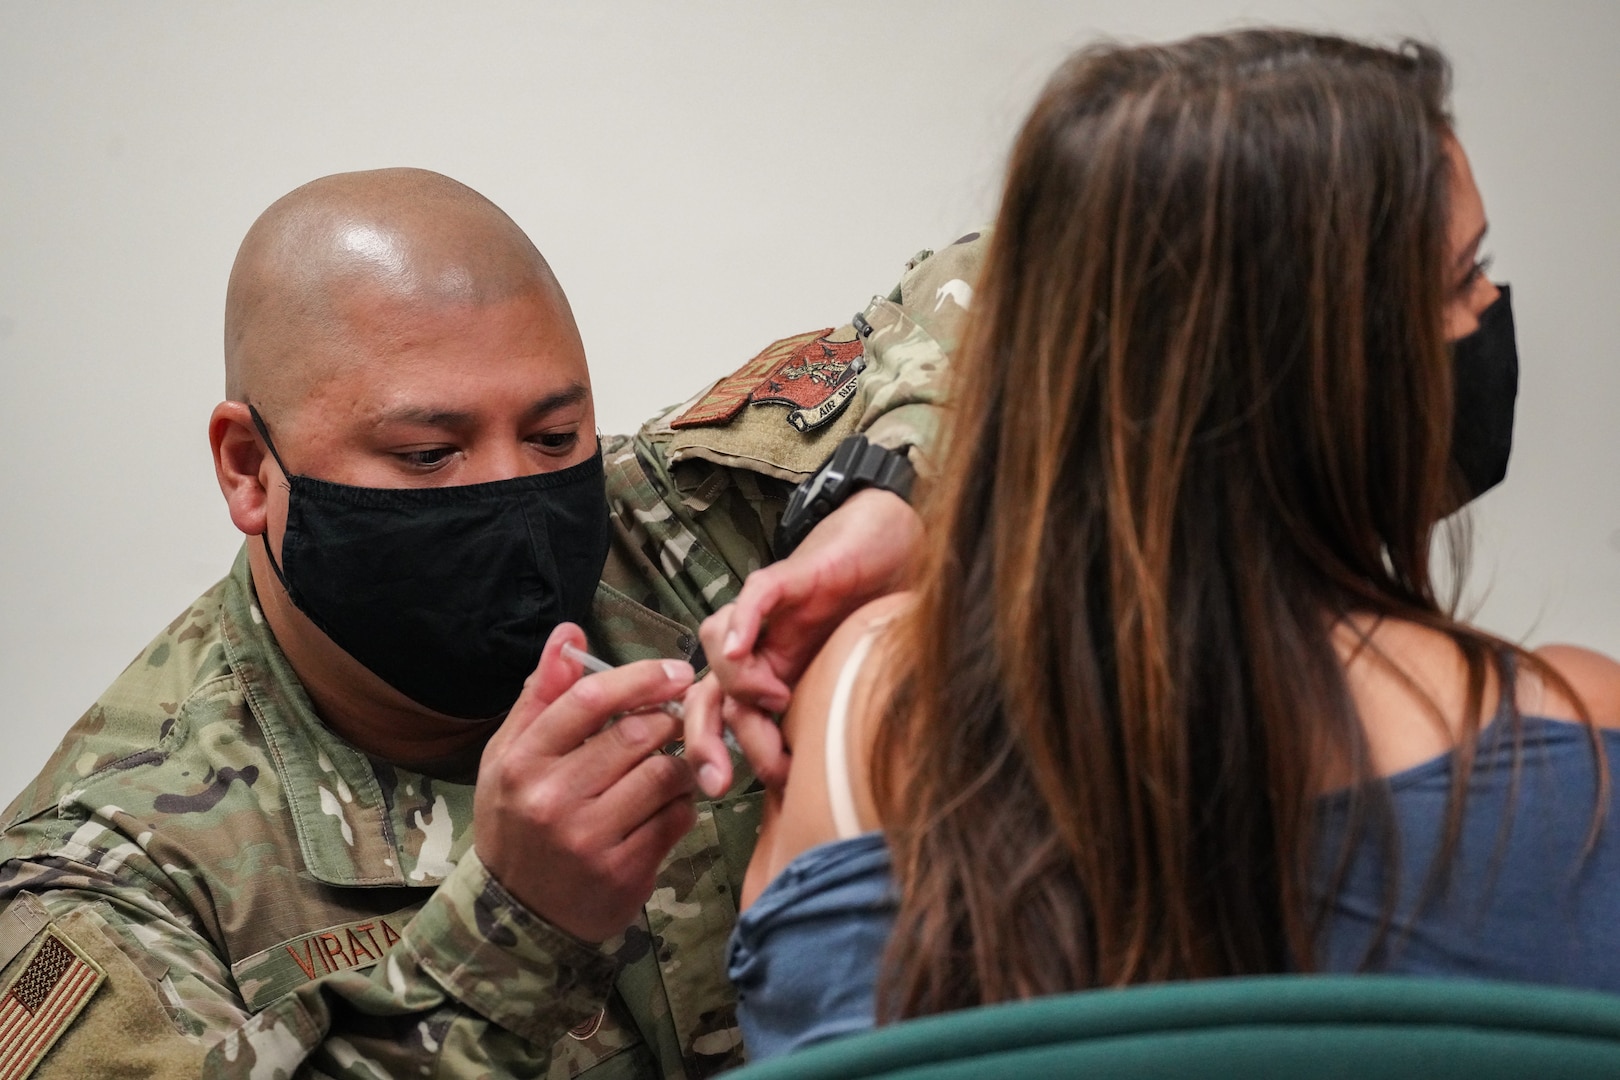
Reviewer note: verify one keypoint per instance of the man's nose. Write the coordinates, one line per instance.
(501, 459)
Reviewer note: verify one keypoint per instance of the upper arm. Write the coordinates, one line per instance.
(96, 871)
(801, 817)
(131, 1018)
(1594, 677)
(116, 1001)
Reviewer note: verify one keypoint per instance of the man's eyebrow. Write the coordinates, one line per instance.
(573, 394)
(423, 416)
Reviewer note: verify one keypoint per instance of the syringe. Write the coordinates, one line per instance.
(673, 708)
(596, 664)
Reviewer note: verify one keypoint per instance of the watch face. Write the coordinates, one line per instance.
(810, 494)
(822, 493)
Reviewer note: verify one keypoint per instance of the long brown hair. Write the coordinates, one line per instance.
(1202, 415)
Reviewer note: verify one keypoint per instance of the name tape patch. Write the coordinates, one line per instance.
(349, 946)
(342, 947)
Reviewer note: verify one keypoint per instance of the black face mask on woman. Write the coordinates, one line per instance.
(1485, 383)
(446, 593)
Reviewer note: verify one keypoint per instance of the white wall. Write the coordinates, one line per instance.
(704, 178)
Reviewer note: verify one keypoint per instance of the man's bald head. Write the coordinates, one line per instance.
(400, 236)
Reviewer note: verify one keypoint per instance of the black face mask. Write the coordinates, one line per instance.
(1485, 383)
(447, 594)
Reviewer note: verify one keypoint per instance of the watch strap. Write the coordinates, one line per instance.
(855, 465)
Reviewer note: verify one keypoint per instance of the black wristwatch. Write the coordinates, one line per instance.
(855, 465)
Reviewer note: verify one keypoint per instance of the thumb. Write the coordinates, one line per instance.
(551, 677)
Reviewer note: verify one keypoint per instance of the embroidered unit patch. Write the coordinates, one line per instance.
(816, 381)
(42, 1001)
(727, 397)
(812, 374)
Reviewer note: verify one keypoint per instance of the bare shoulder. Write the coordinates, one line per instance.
(1592, 675)
(1410, 684)
(807, 715)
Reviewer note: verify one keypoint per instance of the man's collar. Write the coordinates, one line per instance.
(358, 823)
(367, 823)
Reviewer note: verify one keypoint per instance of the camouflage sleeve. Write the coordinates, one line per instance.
(477, 983)
(911, 334)
(94, 879)
(720, 466)
(883, 374)
(128, 1014)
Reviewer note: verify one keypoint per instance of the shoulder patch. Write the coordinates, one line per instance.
(816, 381)
(44, 996)
(813, 374)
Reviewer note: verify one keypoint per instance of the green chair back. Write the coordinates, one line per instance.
(1317, 1026)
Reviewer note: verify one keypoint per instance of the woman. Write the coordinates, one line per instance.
(1174, 695)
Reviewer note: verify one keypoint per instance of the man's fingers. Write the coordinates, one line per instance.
(647, 845)
(749, 675)
(551, 678)
(761, 594)
(585, 707)
(756, 682)
(714, 632)
(708, 713)
(640, 795)
(606, 759)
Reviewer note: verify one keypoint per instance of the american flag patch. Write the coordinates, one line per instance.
(42, 1001)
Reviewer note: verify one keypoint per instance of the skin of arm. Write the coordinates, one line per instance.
(799, 815)
(759, 644)
(1594, 676)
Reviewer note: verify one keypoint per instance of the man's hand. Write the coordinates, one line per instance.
(572, 819)
(760, 644)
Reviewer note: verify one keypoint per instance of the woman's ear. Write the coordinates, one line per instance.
(242, 466)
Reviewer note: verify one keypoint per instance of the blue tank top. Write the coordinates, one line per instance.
(1523, 898)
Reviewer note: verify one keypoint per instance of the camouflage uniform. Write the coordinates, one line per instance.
(225, 887)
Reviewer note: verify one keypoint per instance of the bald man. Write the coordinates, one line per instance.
(354, 813)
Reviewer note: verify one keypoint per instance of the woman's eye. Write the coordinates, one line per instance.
(1479, 270)
(426, 458)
